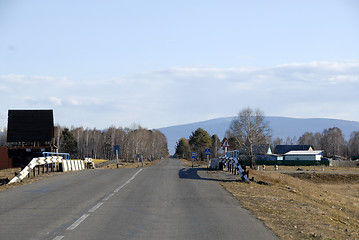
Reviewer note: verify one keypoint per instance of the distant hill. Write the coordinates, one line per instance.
(282, 127)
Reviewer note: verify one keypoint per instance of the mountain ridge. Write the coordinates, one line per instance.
(282, 127)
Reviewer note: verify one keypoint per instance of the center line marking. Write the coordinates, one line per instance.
(58, 237)
(127, 182)
(95, 207)
(78, 222)
(108, 197)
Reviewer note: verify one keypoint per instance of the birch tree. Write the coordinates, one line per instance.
(248, 129)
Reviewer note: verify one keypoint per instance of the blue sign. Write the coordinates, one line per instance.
(116, 148)
(207, 151)
(194, 154)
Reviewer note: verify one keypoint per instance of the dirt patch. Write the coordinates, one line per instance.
(301, 207)
(313, 168)
(327, 177)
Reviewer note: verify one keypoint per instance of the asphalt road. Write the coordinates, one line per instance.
(166, 201)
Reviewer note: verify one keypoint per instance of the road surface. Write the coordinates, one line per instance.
(166, 201)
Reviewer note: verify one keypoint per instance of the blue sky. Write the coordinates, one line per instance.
(162, 63)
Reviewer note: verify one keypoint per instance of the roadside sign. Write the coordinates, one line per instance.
(194, 154)
(116, 148)
(207, 151)
(225, 143)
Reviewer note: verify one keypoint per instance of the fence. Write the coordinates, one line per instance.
(53, 163)
(232, 164)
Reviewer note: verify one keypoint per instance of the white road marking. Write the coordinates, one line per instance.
(95, 207)
(108, 197)
(127, 182)
(78, 222)
(58, 238)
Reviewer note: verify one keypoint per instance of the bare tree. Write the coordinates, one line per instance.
(354, 145)
(151, 144)
(333, 142)
(249, 129)
(277, 141)
(309, 138)
(306, 139)
(216, 145)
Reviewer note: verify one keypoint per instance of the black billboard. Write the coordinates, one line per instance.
(30, 126)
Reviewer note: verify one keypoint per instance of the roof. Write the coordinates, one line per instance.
(316, 152)
(282, 149)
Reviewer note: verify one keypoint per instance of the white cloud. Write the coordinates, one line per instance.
(56, 101)
(179, 95)
(5, 89)
(83, 101)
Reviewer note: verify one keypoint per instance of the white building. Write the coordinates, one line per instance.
(303, 155)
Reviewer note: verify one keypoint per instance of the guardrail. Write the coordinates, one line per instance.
(53, 163)
(231, 160)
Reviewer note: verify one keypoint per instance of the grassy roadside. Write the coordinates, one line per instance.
(314, 206)
(188, 163)
(306, 205)
(10, 173)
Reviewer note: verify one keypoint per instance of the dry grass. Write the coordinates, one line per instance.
(311, 206)
(10, 173)
(132, 164)
(97, 161)
(313, 168)
(188, 163)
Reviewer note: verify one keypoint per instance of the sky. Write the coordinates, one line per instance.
(162, 63)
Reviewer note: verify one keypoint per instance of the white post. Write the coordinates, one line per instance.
(117, 157)
(207, 161)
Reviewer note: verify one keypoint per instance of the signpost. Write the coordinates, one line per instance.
(139, 157)
(225, 145)
(207, 152)
(116, 150)
(194, 154)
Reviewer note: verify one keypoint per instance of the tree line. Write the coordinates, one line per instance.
(250, 129)
(99, 144)
(199, 140)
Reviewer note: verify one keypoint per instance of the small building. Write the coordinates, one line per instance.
(303, 155)
(29, 134)
(263, 152)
